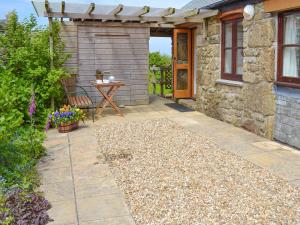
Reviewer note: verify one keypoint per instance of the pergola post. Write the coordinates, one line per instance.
(51, 44)
(51, 51)
(63, 5)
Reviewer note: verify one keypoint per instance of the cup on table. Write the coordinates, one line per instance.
(111, 78)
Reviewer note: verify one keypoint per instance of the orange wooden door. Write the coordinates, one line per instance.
(182, 63)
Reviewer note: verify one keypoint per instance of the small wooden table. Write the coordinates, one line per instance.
(108, 95)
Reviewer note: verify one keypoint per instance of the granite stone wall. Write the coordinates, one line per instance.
(249, 104)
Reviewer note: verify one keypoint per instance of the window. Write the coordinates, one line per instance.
(232, 49)
(289, 48)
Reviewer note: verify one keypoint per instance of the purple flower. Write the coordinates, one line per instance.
(32, 106)
(47, 125)
(56, 114)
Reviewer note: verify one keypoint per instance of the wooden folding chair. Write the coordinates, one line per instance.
(78, 98)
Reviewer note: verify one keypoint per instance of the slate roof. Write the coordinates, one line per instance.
(200, 4)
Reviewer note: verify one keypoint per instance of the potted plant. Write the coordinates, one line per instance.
(67, 118)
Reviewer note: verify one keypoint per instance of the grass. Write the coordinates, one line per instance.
(157, 91)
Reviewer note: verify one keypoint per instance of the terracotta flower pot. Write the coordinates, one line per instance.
(65, 128)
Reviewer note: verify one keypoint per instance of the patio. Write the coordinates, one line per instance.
(84, 186)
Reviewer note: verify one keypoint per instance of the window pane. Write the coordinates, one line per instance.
(228, 61)
(239, 61)
(228, 35)
(292, 29)
(240, 34)
(182, 79)
(182, 48)
(291, 62)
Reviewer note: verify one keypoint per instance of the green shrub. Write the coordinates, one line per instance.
(24, 67)
(155, 58)
(26, 81)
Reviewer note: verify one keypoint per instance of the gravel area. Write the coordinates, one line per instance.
(170, 175)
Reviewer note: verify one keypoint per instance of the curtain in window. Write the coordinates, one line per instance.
(290, 53)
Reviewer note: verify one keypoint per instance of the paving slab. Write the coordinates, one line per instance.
(277, 164)
(122, 220)
(55, 159)
(63, 213)
(57, 175)
(101, 207)
(90, 171)
(101, 186)
(62, 191)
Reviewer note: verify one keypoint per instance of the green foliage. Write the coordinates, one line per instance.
(155, 58)
(24, 66)
(25, 57)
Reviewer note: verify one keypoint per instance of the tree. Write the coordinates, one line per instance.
(155, 58)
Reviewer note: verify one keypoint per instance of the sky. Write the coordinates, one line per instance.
(24, 8)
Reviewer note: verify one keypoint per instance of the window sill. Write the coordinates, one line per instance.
(230, 82)
(287, 84)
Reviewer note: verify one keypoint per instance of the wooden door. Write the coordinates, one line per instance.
(182, 63)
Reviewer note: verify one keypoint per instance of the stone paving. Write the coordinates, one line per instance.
(80, 189)
(83, 191)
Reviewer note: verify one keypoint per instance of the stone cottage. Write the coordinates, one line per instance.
(240, 59)
(248, 69)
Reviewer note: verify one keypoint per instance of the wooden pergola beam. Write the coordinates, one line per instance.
(162, 25)
(203, 13)
(167, 12)
(90, 9)
(177, 18)
(164, 13)
(118, 17)
(187, 13)
(63, 6)
(191, 13)
(139, 13)
(142, 11)
(47, 6)
(116, 10)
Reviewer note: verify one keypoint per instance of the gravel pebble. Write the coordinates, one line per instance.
(170, 175)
